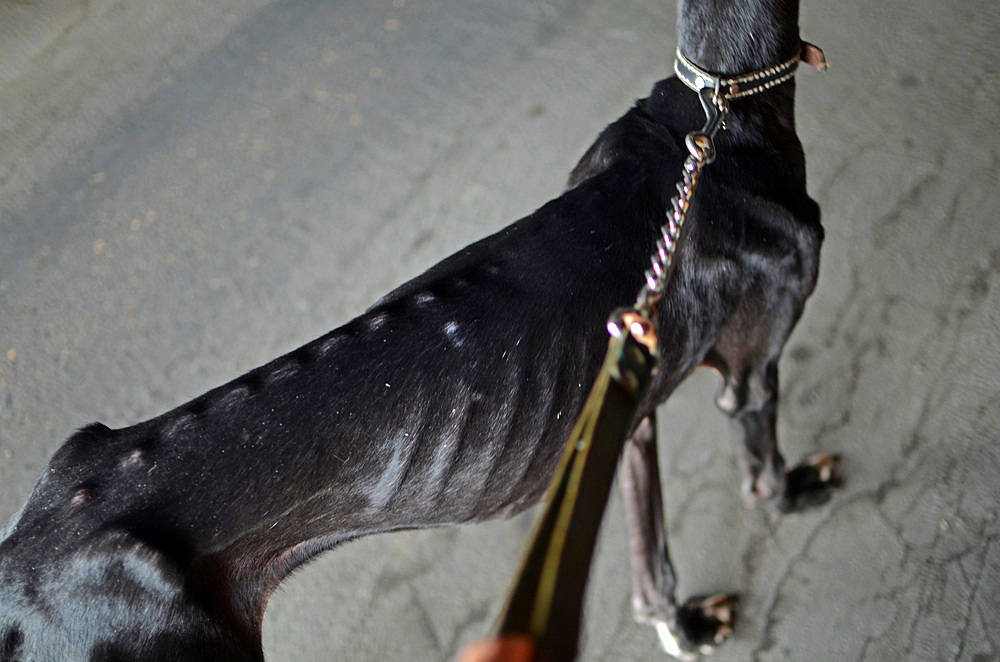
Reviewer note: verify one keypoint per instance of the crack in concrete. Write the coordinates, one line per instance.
(770, 622)
(475, 615)
(424, 620)
(974, 585)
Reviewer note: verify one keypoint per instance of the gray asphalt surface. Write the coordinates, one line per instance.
(188, 189)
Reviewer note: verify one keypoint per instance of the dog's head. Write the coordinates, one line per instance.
(730, 38)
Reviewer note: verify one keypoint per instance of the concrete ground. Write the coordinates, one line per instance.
(189, 188)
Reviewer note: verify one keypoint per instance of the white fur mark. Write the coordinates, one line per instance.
(236, 394)
(451, 332)
(133, 459)
(444, 457)
(391, 477)
(376, 322)
(284, 372)
(80, 497)
(178, 424)
(331, 344)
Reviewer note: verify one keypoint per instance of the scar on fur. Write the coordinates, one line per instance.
(80, 496)
(133, 458)
(332, 343)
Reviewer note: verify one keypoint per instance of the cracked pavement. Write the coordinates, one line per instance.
(189, 189)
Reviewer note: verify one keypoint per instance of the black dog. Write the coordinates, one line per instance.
(449, 400)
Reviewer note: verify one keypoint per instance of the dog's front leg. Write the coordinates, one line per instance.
(751, 401)
(683, 628)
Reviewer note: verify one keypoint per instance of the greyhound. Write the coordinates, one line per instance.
(449, 400)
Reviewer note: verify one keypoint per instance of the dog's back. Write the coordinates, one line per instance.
(446, 402)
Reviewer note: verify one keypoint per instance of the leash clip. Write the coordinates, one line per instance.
(635, 351)
(701, 144)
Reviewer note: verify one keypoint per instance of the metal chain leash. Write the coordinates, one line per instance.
(701, 152)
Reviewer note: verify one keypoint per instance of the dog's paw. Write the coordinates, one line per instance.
(700, 624)
(811, 483)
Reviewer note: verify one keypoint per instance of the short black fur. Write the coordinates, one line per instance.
(448, 401)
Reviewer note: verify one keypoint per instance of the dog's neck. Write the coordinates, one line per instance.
(732, 37)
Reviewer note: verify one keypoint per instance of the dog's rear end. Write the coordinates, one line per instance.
(448, 401)
(444, 403)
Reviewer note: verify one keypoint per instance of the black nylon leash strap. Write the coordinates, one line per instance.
(547, 598)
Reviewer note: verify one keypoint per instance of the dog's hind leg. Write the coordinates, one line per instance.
(683, 628)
